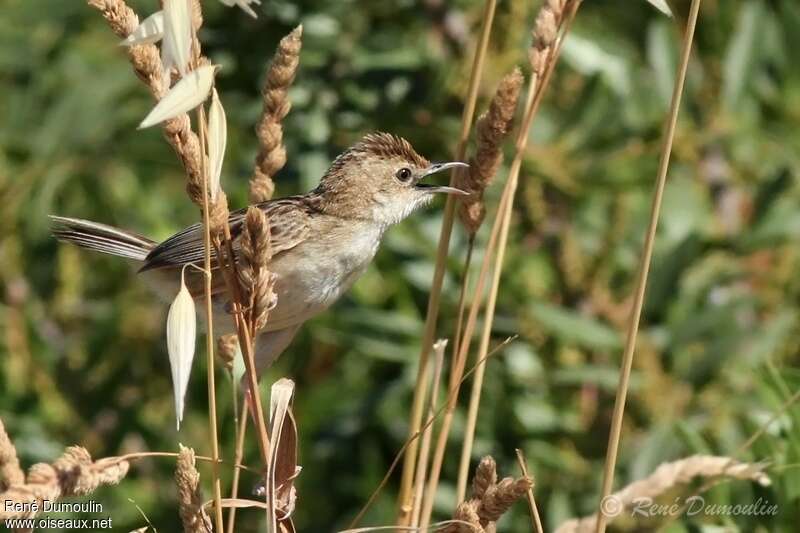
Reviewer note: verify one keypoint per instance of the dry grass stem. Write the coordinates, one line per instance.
(491, 131)
(241, 431)
(432, 313)
(256, 279)
(489, 501)
(72, 474)
(190, 498)
(272, 153)
(406, 445)
(210, 377)
(553, 19)
(671, 475)
(10, 471)
(537, 521)
(425, 448)
(644, 268)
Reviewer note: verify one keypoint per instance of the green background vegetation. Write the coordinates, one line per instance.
(83, 358)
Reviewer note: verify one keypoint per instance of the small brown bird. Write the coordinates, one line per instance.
(322, 241)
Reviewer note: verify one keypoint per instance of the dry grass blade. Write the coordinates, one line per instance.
(72, 474)
(282, 468)
(272, 153)
(424, 451)
(210, 220)
(668, 476)
(537, 521)
(644, 269)
(190, 499)
(407, 445)
(432, 313)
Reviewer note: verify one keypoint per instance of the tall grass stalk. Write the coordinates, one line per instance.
(399, 455)
(425, 448)
(417, 409)
(644, 268)
(537, 521)
(210, 360)
(241, 431)
(538, 84)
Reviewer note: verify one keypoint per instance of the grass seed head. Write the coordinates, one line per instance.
(272, 153)
(190, 498)
(492, 129)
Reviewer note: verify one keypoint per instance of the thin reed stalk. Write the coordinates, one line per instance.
(456, 378)
(448, 218)
(209, 310)
(402, 450)
(644, 269)
(425, 448)
(546, 50)
(241, 431)
(533, 98)
(537, 521)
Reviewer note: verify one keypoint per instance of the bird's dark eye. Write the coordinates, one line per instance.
(404, 174)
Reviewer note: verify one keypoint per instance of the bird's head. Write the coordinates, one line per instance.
(380, 178)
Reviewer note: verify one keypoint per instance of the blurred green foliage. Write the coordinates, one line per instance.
(84, 360)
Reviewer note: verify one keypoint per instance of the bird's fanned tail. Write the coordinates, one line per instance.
(102, 238)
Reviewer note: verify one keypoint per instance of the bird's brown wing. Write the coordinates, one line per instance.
(288, 218)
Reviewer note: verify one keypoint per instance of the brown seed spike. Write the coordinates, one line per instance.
(272, 153)
(545, 31)
(492, 129)
(485, 476)
(190, 499)
(254, 273)
(500, 497)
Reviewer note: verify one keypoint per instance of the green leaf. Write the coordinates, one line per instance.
(574, 328)
(742, 53)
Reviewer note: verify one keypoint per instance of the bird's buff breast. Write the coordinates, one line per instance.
(313, 275)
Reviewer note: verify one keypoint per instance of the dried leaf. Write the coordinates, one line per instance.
(187, 94)
(177, 35)
(217, 138)
(181, 333)
(282, 468)
(662, 6)
(244, 5)
(150, 30)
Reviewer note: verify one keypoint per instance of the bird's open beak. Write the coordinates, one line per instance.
(436, 168)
